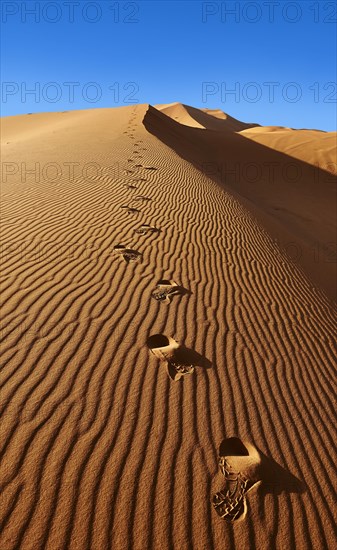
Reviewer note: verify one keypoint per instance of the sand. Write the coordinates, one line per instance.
(134, 239)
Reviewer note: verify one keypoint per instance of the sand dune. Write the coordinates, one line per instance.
(294, 198)
(120, 395)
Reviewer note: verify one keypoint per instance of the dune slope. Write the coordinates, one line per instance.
(100, 448)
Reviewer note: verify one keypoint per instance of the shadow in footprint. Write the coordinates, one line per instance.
(128, 254)
(166, 289)
(119, 248)
(243, 465)
(177, 359)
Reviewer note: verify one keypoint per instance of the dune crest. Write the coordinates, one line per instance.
(210, 119)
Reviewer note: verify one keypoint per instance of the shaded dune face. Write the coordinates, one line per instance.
(126, 420)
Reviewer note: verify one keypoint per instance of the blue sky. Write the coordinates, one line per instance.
(278, 58)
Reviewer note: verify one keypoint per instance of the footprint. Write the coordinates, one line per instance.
(129, 255)
(239, 463)
(132, 256)
(129, 186)
(145, 229)
(174, 356)
(145, 167)
(130, 210)
(166, 289)
(141, 198)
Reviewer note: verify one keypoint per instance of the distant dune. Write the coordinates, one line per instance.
(168, 332)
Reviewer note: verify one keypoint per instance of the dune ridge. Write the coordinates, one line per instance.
(210, 119)
(100, 448)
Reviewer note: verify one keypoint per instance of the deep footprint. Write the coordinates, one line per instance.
(130, 210)
(166, 289)
(229, 503)
(141, 198)
(146, 229)
(129, 186)
(129, 255)
(174, 356)
(145, 167)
